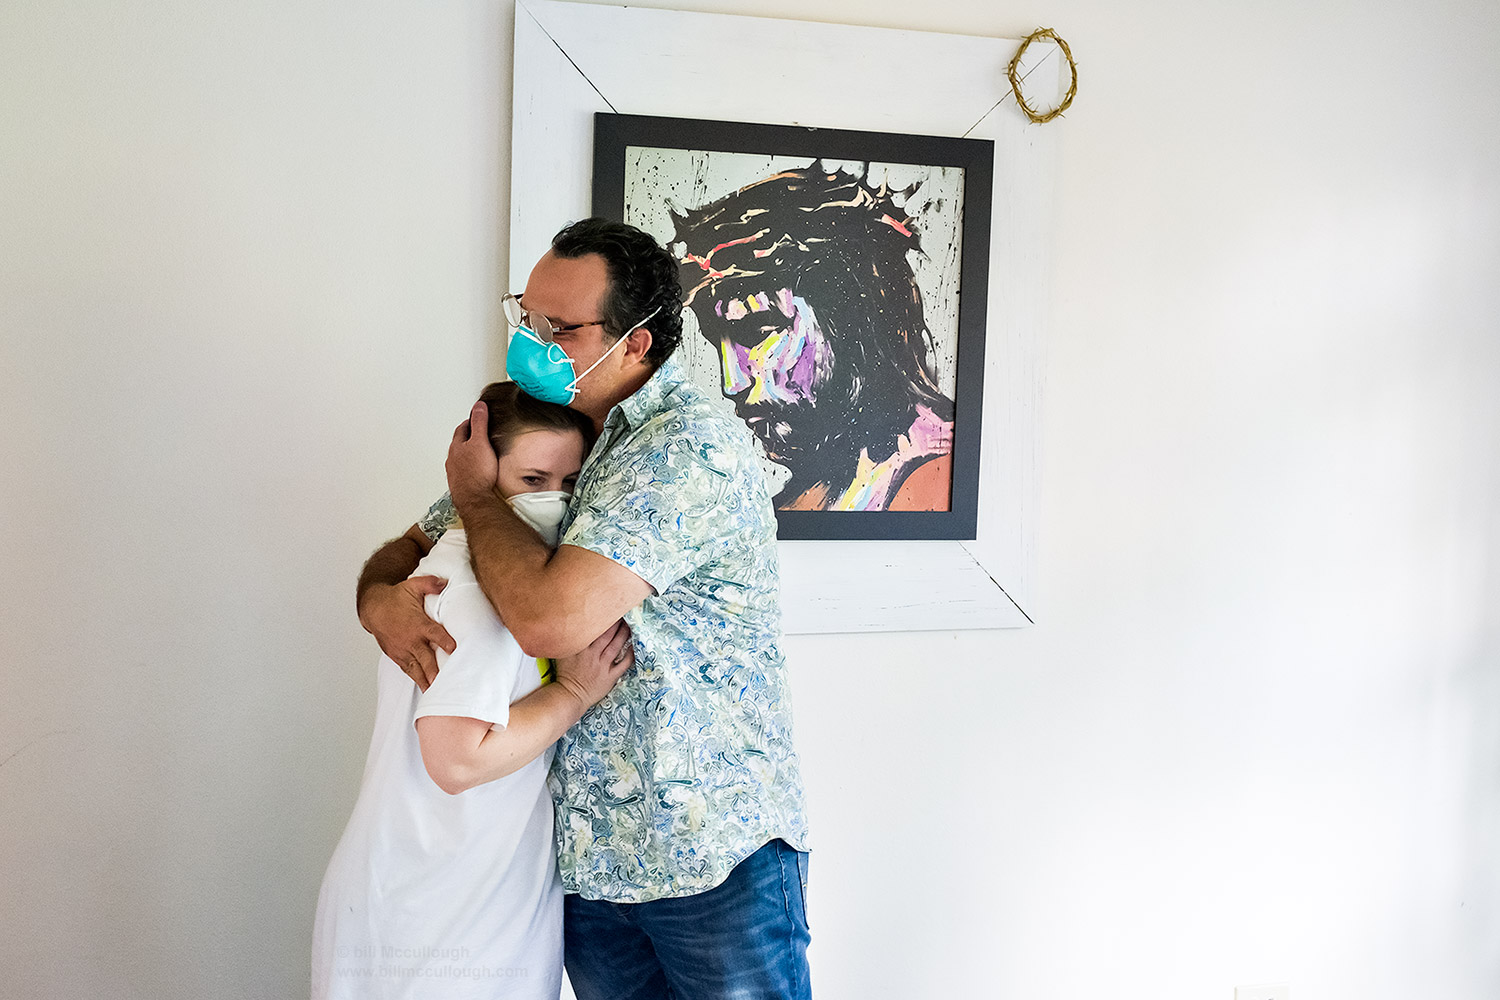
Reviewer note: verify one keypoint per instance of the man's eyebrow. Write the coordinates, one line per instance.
(555, 319)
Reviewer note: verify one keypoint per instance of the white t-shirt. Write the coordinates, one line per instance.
(433, 895)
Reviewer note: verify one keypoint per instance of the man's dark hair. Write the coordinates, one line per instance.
(642, 277)
(512, 413)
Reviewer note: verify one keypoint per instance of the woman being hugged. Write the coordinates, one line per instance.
(445, 881)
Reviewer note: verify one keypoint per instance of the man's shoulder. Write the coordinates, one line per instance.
(689, 441)
(690, 413)
(682, 429)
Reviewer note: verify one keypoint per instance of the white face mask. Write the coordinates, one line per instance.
(543, 511)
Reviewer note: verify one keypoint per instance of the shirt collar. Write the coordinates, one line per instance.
(651, 398)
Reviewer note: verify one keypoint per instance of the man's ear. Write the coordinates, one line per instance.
(637, 344)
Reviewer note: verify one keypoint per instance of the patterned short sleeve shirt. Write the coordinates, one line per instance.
(687, 766)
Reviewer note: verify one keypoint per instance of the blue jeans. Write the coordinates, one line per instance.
(745, 939)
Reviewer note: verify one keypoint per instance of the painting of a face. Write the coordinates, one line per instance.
(822, 317)
(773, 357)
(803, 285)
(820, 274)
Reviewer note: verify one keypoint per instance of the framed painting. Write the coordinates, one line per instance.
(835, 284)
(573, 60)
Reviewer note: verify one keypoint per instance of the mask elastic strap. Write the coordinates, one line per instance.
(573, 385)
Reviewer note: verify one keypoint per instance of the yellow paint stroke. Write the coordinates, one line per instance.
(760, 357)
(730, 366)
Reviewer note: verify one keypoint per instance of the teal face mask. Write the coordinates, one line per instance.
(543, 370)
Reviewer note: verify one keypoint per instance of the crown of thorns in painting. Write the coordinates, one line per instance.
(802, 283)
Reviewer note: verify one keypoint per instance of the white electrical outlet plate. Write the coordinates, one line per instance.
(1279, 991)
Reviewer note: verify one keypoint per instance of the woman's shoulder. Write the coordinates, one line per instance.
(448, 558)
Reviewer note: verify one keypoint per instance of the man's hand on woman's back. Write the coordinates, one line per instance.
(397, 617)
(392, 608)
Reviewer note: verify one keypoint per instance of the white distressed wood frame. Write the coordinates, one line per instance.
(574, 59)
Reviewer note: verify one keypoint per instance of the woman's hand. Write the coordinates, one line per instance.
(590, 674)
(396, 616)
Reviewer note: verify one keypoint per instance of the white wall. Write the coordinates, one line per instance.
(248, 283)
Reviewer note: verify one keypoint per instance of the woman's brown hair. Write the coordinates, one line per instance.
(512, 412)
